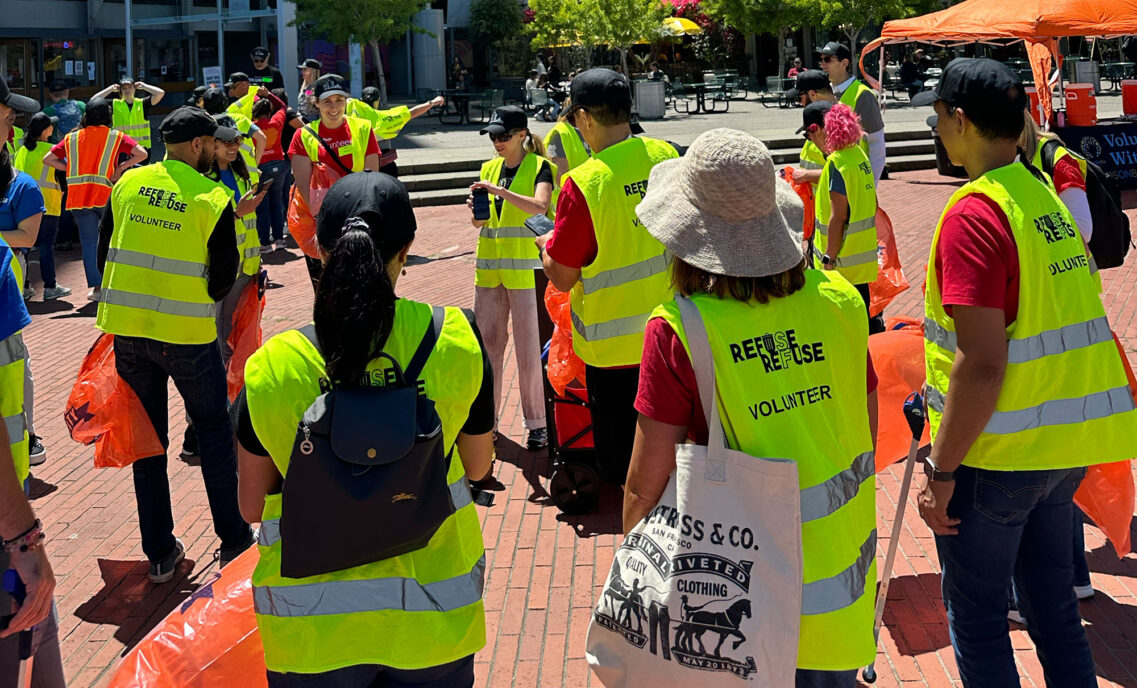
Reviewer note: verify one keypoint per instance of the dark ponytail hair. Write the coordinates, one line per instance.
(355, 303)
(38, 124)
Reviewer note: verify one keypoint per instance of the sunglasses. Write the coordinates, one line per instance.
(810, 130)
(232, 144)
(828, 58)
(502, 138)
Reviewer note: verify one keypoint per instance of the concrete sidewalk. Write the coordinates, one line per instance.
(544, 569)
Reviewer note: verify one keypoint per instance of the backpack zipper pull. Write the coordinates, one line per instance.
(306, 446)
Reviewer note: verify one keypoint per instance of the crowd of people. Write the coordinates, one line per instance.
(635, 233)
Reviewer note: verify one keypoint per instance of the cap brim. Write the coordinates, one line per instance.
(801, 129)
(793, 93)
(22, 103)
(493, 129)
(924, 98)
(334, 92)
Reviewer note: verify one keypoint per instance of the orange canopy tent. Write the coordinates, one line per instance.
(1037, 22)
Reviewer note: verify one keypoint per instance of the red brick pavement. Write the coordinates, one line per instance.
(544, 568)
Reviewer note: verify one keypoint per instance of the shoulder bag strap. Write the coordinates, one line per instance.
(309, 332)
(704, 367)
(426, 346)
(335, 156)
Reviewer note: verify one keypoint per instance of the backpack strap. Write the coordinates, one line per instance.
(1049, 148)
(309, 332)
(426, 346)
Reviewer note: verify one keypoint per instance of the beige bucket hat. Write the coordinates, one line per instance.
(721, 208)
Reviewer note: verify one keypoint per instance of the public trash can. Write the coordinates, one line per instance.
(650, 99)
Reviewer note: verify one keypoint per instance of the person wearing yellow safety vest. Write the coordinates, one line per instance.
(169, 247)
(519, 180)
(616, 271)
(254, 141)
(415, 618)
(810, 86)
(21, 534)
(845, 203)
(29, 159)
(89, 156)
(387, 123)
(1025, 388)
(341, 143)
(738, 258)
(565, 146)
(837, 63)
(241, 96)
(129, 112)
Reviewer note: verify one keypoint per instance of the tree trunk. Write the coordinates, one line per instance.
(853, 32)
(624, 62)
(379, 69)
(783, 34)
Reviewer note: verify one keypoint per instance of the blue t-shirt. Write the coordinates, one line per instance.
(23, 200)
(836, 181)
(13, 313)
(230, 180)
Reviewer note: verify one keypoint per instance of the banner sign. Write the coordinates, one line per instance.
(1113, 147)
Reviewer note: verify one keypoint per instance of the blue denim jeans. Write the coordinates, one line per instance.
(45, 242)
(147, 365)
(87, 220)
(270, 213)
(459, 674)
(813, 678)
(1014, 524)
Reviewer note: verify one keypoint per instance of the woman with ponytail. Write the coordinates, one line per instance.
(415, 618)
(520, 180)
(29, 158)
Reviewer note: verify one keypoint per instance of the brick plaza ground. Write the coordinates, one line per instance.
(544, 569)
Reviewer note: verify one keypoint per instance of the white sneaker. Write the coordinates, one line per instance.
(1084, 592)
(93, 294)
(281, 245)
(266, 248)
(56, 292)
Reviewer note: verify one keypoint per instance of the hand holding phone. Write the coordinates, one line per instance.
(262, 185)
(481, 204)
(540, 225)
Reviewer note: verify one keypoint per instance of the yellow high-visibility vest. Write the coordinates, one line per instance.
(857, 260)
(506, 254)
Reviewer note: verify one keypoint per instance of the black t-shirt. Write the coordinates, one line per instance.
(480, 421)
(269, 77)
(544, 174)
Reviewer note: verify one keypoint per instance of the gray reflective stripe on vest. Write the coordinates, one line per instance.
(459, 494)
(840, 591)
(505, 233)
(372, 595)
(1093, 264)
(851, 228)
(169, 266)
(241, 238)
(857, 259)
(89, 179)
(632, 324)
(17, 425)
(810, 165)
(107, 161)
(116, 297)
(125, 128)
(12, 349)
(248, 148)
(43, 182)
(826, 498)
(629, 273)
(1046, 343)
(1053, 412)
(252, 252)
(509, 263)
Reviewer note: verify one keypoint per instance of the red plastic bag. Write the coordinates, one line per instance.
(890, 280)
(244, 337)
(898, 357)
(1107, 493)
(564, 365)
(211, 639)
(805, 191)
(104, 410)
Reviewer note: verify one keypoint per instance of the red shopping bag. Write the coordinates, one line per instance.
(890, 279)
(103, 410)
(245, 336)
(564, 365)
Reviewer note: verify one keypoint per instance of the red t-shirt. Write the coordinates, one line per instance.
(573, 241)
(272, 128)
(124, 147)
(336, 138)
(1068, 175)
(977, 261)
(668, 392)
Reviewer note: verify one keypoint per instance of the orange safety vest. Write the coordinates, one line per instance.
(90, 161)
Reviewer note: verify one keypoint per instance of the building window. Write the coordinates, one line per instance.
(68, 60)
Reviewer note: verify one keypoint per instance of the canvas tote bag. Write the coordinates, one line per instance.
(706, 590)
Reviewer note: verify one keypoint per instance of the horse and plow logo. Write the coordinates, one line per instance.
(622, 609)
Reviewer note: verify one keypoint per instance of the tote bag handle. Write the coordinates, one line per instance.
(704, 366)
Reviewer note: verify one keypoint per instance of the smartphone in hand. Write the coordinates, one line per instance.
(540, 225)
(263, 184)
(481, 204)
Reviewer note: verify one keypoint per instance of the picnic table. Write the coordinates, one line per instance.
(460, 101)
(700, 89)
(1115, 73)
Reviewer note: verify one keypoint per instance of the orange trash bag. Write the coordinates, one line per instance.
(890, 280)
(898, 357)
(211, 639)
(104, 410)
(564, 365)
(805, 191)
(1106, 494)
(301, 218)
(245, 336)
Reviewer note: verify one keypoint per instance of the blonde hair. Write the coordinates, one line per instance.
(534, 145)
(1032, 137)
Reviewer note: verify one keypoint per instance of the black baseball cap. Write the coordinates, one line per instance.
(125, 80)
(214, 100)
(96, 107)
(236, 78)
(838, 50)
(814, 113)
(379, 199)
(809, 80)
(259, 53)
(506, 119)
(16, 102)
(187, 123)
(601, 87)
(331, 85)
(370, 95)
(58, 86)
(197, 94)
(310, 64)
(984, 88)
(226, 128)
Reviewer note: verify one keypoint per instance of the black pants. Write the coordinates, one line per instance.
(391, 168)
(611, 401)
(876, 324)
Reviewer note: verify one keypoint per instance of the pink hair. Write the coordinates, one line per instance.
(842, 128)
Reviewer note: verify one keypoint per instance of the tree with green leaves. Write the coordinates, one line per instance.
(854, 16)
(370, 22)
(493, 21)
(616, 23)
(778, 17)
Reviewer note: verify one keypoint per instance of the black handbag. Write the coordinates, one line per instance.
(367, 476)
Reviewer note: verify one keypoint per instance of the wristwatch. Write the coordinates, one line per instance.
(936, 474)
(826, 260)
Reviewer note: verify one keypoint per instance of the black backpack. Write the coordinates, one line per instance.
(1111, 238)
(367, 476)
